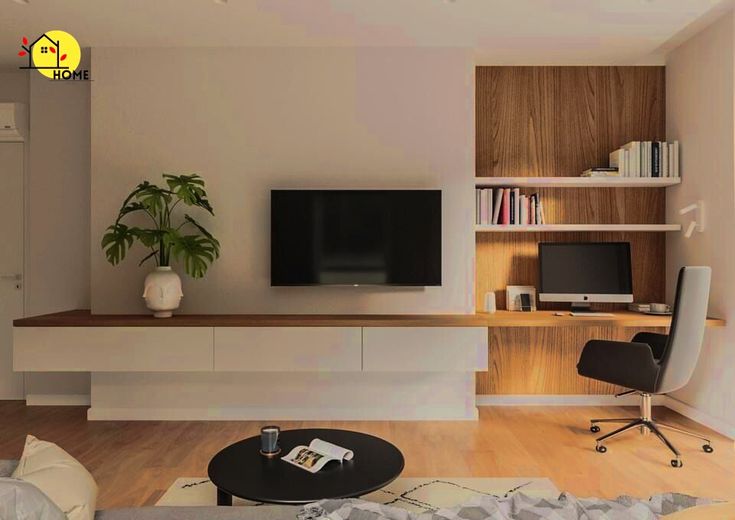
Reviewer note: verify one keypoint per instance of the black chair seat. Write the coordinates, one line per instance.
(631, 365)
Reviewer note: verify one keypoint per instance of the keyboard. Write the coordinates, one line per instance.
(591, 314)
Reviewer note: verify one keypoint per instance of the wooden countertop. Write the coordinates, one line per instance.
(84, 318)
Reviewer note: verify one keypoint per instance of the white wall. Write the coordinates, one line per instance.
(699, 113)
(250, 120)
(57, 259)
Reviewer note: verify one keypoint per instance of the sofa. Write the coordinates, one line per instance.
(184, 513)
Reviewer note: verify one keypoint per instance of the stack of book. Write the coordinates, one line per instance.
(647, 159)
(506, 206)
(639, 307)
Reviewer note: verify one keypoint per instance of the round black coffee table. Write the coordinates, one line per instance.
(240, 470)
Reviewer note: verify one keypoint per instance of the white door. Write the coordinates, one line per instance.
(11, 263)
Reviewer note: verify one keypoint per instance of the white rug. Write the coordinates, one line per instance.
(413, 494)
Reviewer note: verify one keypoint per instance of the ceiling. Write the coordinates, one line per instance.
(501, 31)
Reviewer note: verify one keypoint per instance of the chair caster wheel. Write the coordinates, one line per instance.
(594, 428)
(676, 463)
(600, 448)
(708, 448)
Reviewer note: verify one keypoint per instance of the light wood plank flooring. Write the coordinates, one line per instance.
(134, 462)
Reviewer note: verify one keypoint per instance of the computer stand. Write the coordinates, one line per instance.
(581, 307)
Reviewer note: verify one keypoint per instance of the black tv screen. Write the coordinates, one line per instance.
(356, 237)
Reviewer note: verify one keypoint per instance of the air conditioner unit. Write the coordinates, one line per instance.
(13, 120)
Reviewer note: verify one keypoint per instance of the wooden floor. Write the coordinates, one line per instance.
(134, 462)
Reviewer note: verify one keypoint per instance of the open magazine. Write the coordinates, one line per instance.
(312, 458)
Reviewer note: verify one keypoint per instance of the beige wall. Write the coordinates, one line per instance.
(57, 260)
(699, 86)
(14, 87)
(250, 120)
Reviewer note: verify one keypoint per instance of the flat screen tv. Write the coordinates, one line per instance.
(356, 237)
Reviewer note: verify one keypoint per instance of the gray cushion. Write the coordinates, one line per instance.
(21, 500)
(7, 467)
(201, 513)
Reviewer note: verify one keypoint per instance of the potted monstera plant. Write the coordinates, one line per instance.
(165, 236)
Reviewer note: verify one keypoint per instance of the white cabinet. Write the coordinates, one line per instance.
(424, 349)
(112, 349)
(288, 349)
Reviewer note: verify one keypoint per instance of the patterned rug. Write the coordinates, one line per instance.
(412, 494)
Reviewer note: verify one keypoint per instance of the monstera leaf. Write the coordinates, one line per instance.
(154, 199)
(190, 189)
(196, 252)
(116, 242)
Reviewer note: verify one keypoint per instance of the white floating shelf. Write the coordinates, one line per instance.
(578, 182)
(549, 228)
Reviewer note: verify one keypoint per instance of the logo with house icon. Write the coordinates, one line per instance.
(55, 54)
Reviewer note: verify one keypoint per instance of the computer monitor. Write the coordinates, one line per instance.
(584, 273)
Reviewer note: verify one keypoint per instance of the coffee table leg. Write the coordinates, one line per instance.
(223, 498)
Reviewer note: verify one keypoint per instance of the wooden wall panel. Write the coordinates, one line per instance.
(559, 121)
(543, 360)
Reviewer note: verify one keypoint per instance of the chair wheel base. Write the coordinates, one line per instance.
(600, 448)
(676, 463)
(708, 448)
(594, 428)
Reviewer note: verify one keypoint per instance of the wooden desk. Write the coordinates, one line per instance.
(83, 318)
(625, 319)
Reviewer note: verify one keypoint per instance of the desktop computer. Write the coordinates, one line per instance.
(583, 273)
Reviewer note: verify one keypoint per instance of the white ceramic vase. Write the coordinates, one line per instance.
(162, 291)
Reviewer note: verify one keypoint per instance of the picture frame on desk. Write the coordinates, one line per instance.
(513, 297)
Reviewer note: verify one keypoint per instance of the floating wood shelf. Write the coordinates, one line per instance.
(549, 228)
(577, 182)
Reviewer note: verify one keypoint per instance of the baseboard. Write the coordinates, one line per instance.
(562, 400)
(684, 409)
(97, 413)
(58, 400)
(718, 425)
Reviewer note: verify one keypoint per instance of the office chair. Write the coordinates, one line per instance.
(652, 363)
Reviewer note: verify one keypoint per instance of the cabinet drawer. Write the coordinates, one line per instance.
(112, 349)
(287, 349)
(424, 349)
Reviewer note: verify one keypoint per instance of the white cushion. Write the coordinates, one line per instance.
(21, 500)
(60, 476)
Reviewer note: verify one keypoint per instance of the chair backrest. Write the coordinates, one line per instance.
(687, 329)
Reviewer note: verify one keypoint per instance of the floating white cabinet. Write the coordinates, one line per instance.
(288, 349)
(250, 349)
(424, 349)
(113, 349)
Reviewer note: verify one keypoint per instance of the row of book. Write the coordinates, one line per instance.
(506, 206)
(642, 159)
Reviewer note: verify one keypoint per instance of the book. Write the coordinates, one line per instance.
(315, 456)
(485, 208)
(489, 206)
(655, 159)
(505, 219)
(532, 212)
(497, 204)
(517, 207)
(478, 195)
(541, 212)
(634, 158)
(601, 172)
(523, 208)
(677, 173)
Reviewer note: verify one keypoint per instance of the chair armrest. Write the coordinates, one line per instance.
(657, 342)
(630, 365)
